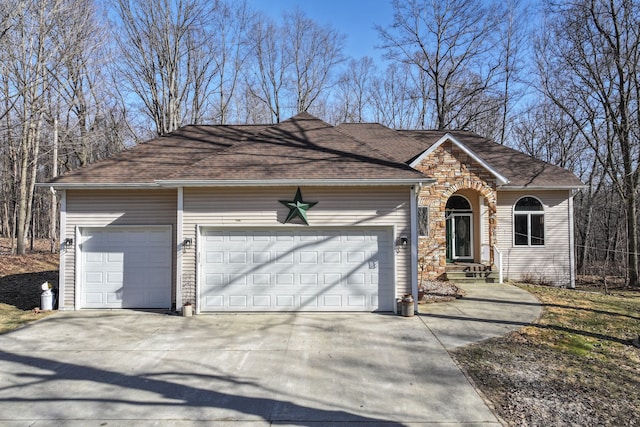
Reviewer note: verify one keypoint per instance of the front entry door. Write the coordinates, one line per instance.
(459, 236)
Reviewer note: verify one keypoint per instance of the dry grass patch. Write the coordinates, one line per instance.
(576, 366)
(12, 318)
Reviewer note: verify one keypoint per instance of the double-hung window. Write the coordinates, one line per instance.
(528, 222)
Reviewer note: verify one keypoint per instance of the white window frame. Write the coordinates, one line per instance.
(528, 215)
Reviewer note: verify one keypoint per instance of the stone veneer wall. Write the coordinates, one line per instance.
(453, 170)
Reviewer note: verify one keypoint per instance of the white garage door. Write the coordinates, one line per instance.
(294, 270)
(123, 267)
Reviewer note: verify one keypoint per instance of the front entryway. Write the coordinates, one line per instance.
(459, 223)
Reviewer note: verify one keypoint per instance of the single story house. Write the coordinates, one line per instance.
(305, 216)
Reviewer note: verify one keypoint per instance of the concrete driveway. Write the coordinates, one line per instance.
(126, 367)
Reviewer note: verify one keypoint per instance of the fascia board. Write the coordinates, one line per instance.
(96, 186)
(289, 182)
(541, 187)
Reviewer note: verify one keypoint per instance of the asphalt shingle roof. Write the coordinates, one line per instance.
(301, 148)
(520, 169)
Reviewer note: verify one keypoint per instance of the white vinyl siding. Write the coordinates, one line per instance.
(101, 208)
(548, 263)
(336, 207)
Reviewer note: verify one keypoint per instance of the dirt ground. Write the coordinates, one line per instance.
(21, 277)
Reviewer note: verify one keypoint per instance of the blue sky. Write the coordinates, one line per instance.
(355, 18)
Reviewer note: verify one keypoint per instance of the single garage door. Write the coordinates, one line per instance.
(125, 267)
(294, 270)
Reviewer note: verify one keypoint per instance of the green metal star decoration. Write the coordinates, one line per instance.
(297, 207)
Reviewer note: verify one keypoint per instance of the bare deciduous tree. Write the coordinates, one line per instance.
(294, 62)
(229, 51)
(314, 52)
(29, 62)
(160, 43)
(453, 42)
(392, 103)
(589, 61)
(353, 95)
(268, 80)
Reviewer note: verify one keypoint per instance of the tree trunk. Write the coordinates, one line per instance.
(632, 240)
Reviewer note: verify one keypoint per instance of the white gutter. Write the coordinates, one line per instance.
(238, 183)
(541, 187)
(290, 182)
(97, 186)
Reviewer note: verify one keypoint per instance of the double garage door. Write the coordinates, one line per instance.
(296, 270)
(125, 267)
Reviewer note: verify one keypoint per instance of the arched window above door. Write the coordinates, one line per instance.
(458, 203)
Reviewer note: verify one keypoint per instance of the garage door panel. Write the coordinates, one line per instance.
(261, 280)
(309, 279)
(238, 301)
(261, 257)
(236, 279)
(213, 236)
(262, 301)
(237, 236)
(358, 279)
(284, 257)
(357, 301)
(308, 257)
(284, 236)
(332, 257)
(215, 301)
(285, 279)
(331, 279)
(114, 297)
(356, 257)
(128, 267)
(309, 301)
(214, 279)
(94, 297)
(289, 270)
(286, 301)
(214, 257)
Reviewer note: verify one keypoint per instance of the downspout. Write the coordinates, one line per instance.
(415, 193)
(63, 249)
(179, 247)
(572, 250)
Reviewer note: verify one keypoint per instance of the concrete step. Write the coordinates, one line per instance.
(470, 273)
(477, 278)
